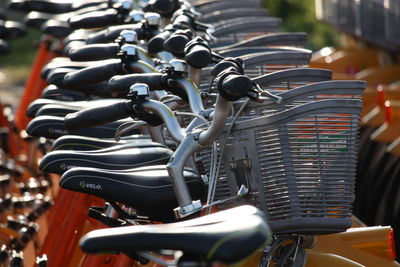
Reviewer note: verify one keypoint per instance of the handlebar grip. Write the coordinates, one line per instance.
(162, 7)
(114, 32)
(232, 87)
(177, 41)
(235, 63)
(97, 38)
(198, 56)
(95, 74)
(93, 52)
(98, 116)
(94, 19)
(11, 29)
(120, 84)
(156, 44)
(183, 21)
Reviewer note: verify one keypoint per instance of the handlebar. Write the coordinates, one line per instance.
(101, 115)
(156, 44)
(120, 84)
(163, 7)
(177, 41)
(233, 86)
(197, 53)
(98, 116)
(112, 33)
(95, 19)
(93, 74)
(93, 52)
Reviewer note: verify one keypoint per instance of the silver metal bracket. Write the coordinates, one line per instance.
(182, 212)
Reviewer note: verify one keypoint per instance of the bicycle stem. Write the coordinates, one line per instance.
(191, 143)
(195, 75)
(140, 66)
(167, 116)
(193, 93)
(222, 109)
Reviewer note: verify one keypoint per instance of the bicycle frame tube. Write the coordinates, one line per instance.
(195, 75)
(193, 94)
(167, 116)
(222, 109)
(141, 67)
(143, 56)
(191, 143)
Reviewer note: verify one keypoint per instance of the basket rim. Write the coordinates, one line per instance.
(341, 106)
(295, 74)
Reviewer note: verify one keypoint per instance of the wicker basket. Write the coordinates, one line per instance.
(299, 165)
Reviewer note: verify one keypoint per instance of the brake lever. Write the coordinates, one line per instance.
(261, 95)
(243, 190)
(210, 35)
(127, 127)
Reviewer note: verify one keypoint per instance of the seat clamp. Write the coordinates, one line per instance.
(182, 212)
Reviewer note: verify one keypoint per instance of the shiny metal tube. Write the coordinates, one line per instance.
(195, 75)
(193, 93)
(167, 116)
(222, 109)
(141, 67)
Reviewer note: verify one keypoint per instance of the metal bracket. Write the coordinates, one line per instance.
(241, 170)
(182, 212)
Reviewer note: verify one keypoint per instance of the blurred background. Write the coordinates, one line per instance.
(296, 15)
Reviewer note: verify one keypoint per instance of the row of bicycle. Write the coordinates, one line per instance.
(377, 187)
(242, 120)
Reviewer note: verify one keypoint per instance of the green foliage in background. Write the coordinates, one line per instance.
(299, 16)
(17, 64)
(22, 50)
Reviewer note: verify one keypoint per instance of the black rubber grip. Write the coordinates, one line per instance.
(97, 38)
(164, 7)
(183, 21)
(93, 52)
(112, 33)
(121, 84)
(94, 19)
(234, 86)
(98, 116)
(225, 64)
(79, 5)
(11, 29)
(177, 41)
(198, 56)
(156, 44)
(47, 6)
(91, 75)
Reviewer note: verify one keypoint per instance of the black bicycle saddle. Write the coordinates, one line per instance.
(84, 143)
(228, 236)
(53, 127)
(108, 158)
(148, 190)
